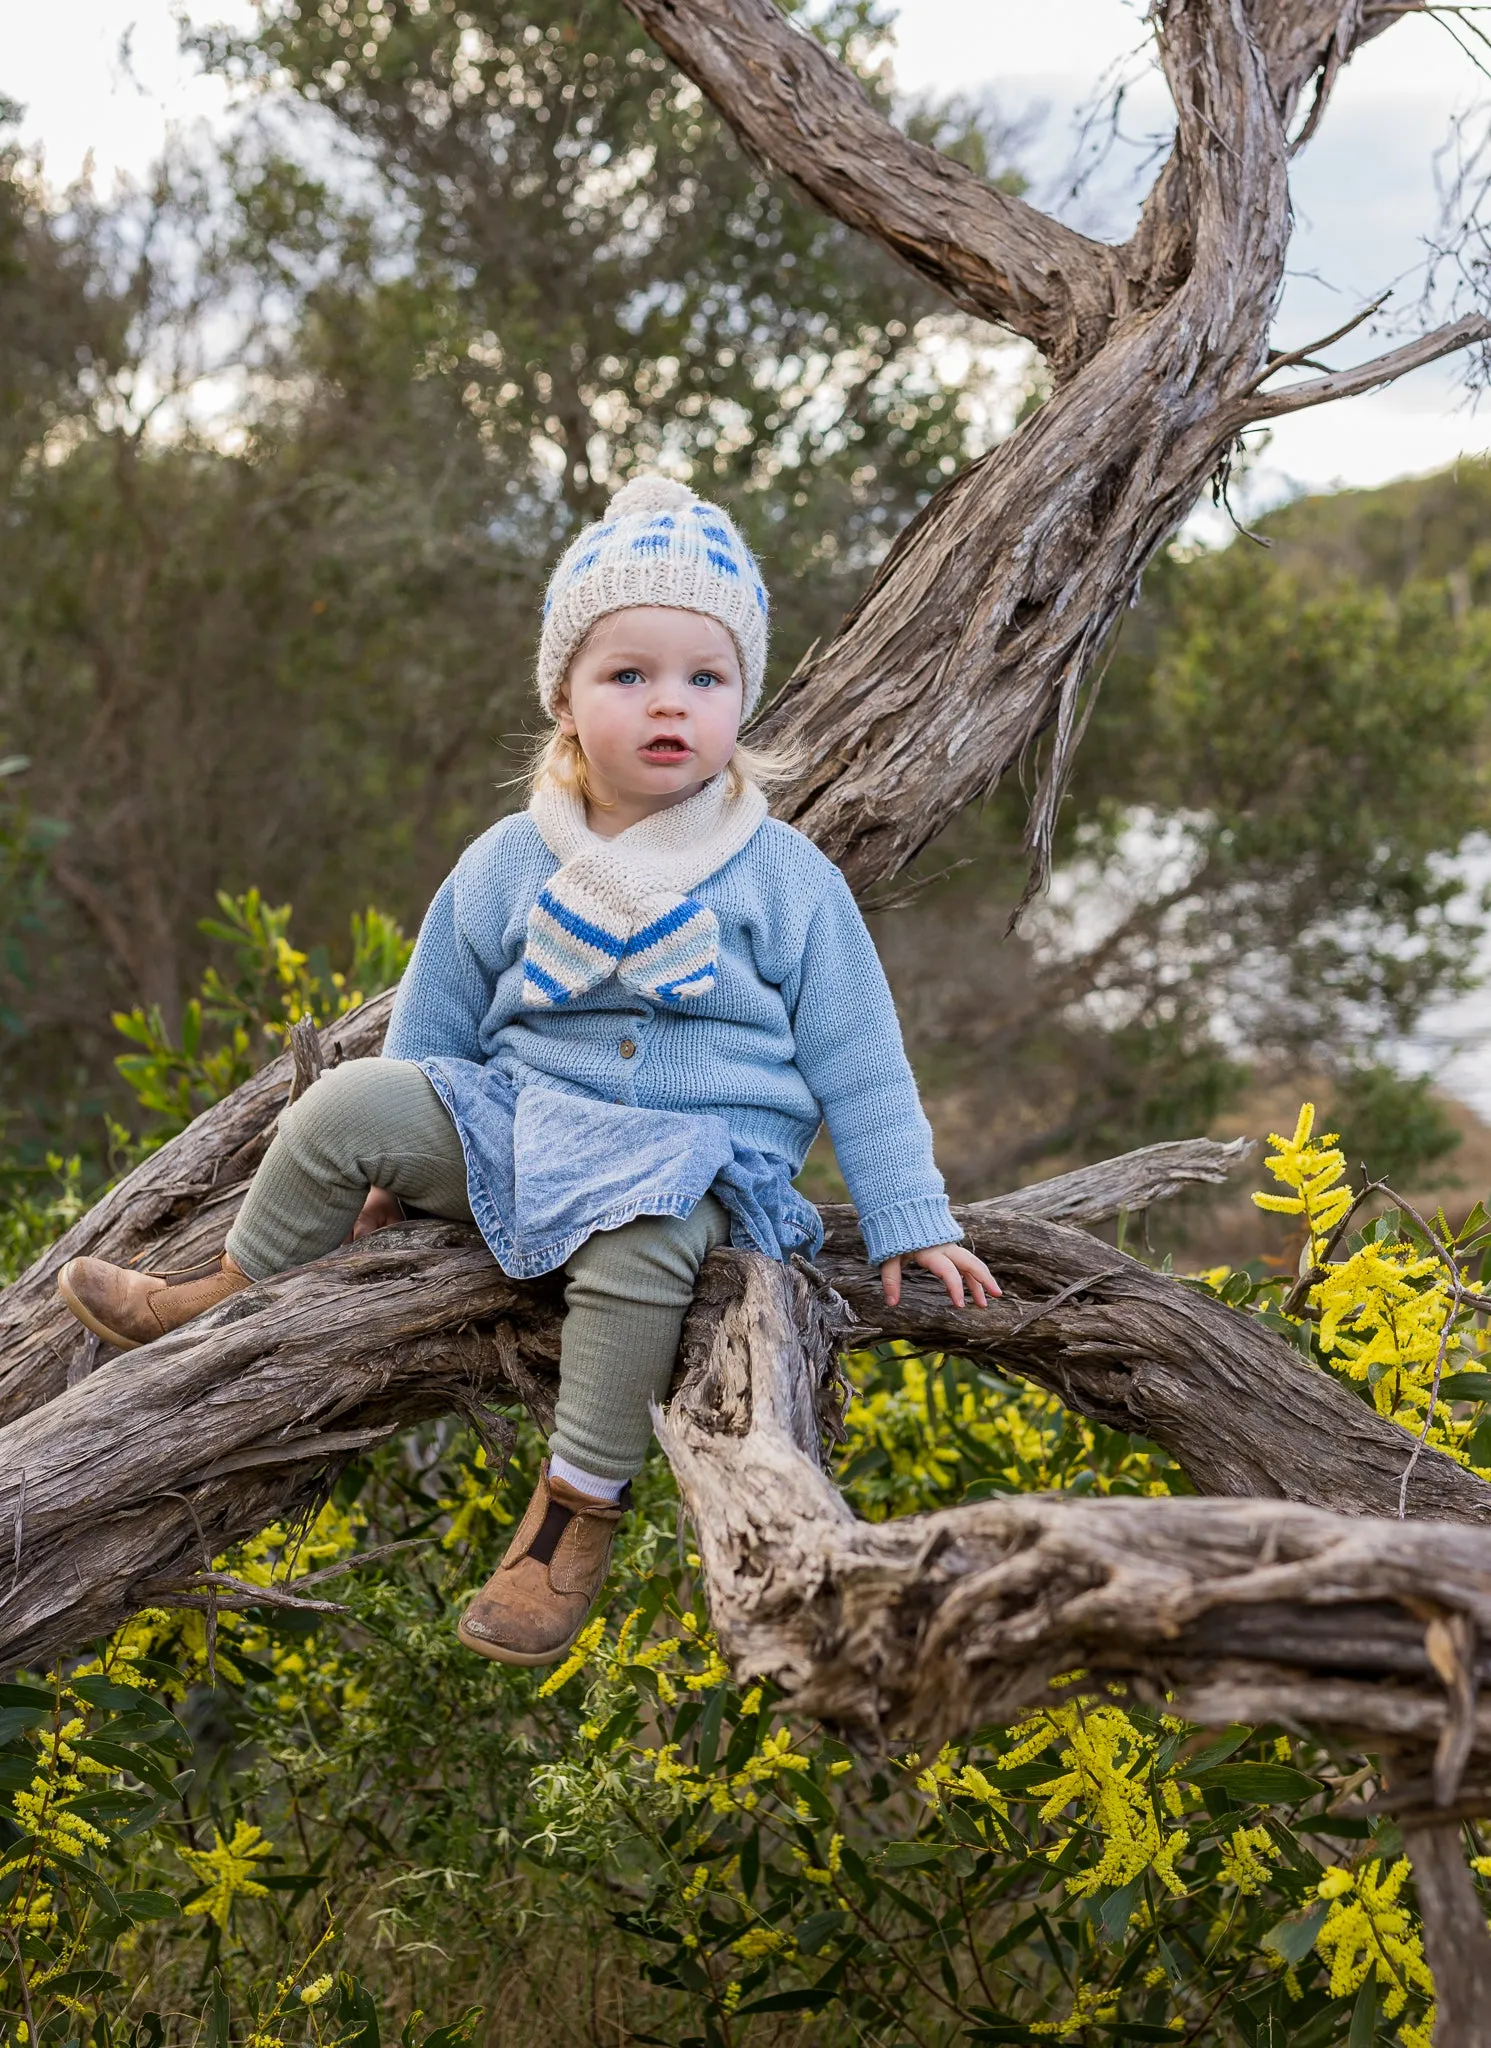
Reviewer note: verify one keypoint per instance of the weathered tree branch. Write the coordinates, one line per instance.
(1130, 1184)
(1369, 376)
(163, 1457)
(928, 1627)
(808, 115)
(172, 1212)
(176, 1209)
(1237, 1408)
(1455, 1938)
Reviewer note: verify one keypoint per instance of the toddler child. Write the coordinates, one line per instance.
(629, 1009)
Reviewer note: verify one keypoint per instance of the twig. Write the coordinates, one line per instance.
(1044, 1308)
(1294, 1300)
(276, 1593)
(1442, 341)
(211, 1603)
(1303, 355)
(305, 1055)
(1457, 1301)
(25, 1989)
(1450, 1645)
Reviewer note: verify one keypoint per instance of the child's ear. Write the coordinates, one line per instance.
(564, 718)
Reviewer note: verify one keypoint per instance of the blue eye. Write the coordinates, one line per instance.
(704, 679)
(628, 675)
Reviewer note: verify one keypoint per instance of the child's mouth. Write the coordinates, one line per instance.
(666, 749)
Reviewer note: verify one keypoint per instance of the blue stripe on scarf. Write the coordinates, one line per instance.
(692, 984)
(580, 928)
(545, 983)
(664, 926)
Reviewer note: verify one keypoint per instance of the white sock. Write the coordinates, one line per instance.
(585, 1482)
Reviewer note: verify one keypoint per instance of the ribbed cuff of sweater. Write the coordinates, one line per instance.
(908, 1227)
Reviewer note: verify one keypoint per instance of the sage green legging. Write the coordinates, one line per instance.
(379, 1123)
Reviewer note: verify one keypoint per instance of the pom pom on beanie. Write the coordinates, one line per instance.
(658, 544)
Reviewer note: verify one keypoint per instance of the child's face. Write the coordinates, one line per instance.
(654, 697)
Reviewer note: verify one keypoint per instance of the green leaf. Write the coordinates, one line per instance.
(141, 1906)
(103, 1692)
(1217, 1752)
(74, 1983)
(1118, 1910)
(1466, 1386)
(812, 1794)
(790, 2001)
(1364, 2015)
(355, 2003)
(455, 2032)
(743, 1742)
(908, 1855)
(15, 1721)
(27, 1696)
(1292, 1940)
(1257, 1784)
(819, 1928)
(709, 1730)
(120, 1758)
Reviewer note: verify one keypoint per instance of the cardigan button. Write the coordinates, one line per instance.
(628, 1047)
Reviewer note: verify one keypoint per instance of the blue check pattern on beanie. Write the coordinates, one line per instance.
(658, 544)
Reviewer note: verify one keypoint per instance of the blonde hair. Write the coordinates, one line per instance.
(559, 761)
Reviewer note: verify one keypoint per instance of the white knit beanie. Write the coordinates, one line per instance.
(658, 544)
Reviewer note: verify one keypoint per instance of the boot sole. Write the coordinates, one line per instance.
(92, 1322)
(496, 1654)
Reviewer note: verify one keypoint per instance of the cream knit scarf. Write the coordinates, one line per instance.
(621, 906)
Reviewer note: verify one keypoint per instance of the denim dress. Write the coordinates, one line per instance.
(545, 1167)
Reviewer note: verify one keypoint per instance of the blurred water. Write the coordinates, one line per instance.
(1091, 897)
(1453, 1040)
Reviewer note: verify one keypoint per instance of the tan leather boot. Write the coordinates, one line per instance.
(128, 1308)
(535, 1603)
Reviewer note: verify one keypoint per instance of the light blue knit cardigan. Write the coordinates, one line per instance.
(799, 1027)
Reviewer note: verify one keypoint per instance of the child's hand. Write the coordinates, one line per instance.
(952, 1264)
(377, 1212)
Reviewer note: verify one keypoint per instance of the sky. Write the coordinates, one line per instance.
(106, 78)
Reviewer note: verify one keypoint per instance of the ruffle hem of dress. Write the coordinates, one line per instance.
(547, 1166)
